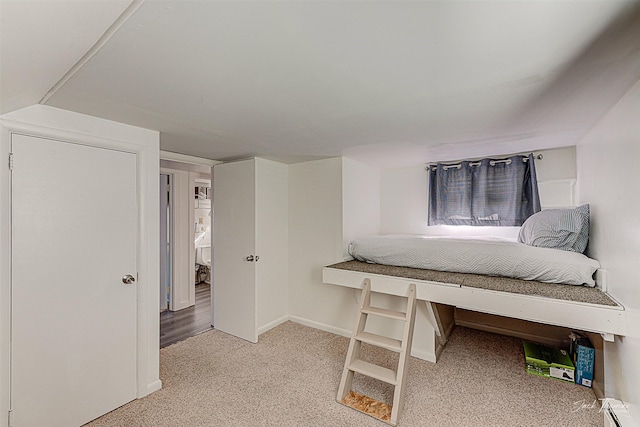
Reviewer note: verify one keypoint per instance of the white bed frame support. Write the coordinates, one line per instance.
(430, 335)
(434, 319)
(431, 331)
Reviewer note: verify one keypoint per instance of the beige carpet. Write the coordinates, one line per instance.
(291, 376)
(482, 281)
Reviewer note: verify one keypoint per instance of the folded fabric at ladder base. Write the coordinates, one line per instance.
(369, 406)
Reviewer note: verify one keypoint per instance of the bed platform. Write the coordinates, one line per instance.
(576, 307)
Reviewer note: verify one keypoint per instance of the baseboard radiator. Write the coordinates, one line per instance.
(616, 414)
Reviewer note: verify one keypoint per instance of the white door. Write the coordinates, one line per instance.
(74, 234)
(234, 231)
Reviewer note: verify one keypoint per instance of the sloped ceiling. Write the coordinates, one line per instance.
(388, 83)
(41, 40)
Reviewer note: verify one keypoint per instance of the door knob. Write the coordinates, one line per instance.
(128, 279)
(250, 258)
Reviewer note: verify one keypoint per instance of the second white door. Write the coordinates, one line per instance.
(234, 243)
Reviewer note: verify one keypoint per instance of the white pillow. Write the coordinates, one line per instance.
(565, 229)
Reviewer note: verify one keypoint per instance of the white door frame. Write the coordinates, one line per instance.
(183, 251)
(165, 241)
(46, 122)
(192, 160)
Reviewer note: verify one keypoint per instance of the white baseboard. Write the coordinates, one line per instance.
(322, 326)
(153, 387)
(424, 355)
(264, 328)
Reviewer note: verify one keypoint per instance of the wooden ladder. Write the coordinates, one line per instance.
(352, 364)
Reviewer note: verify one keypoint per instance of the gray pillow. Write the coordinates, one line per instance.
(565, 229)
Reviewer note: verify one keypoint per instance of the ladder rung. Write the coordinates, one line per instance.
(373, 371)
(398, 315)
(380, 341)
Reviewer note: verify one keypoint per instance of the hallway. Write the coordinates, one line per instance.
(179, 325)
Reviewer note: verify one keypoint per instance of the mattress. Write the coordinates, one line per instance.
(487, 256)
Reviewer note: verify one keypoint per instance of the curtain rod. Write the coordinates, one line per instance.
(458, 163)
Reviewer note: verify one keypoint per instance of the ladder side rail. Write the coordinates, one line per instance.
(403, 360)
(354, 345)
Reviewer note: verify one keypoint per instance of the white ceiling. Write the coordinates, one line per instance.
(389, 83)
(41, 40)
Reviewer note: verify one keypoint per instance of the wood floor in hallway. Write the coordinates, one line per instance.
(179, 325)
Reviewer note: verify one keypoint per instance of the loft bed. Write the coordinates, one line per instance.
(577, 307)
(541, 277)
(495, 276)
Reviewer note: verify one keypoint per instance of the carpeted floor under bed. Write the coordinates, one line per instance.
(290, 378)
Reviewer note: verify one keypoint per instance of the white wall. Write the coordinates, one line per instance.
(404, 196)
(315, 240)
(360, 201)
(608, 160)
(44, 121)
(403, 200)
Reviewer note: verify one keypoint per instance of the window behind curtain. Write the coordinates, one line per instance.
(487, 192)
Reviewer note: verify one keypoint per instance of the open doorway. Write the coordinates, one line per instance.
(185, 250)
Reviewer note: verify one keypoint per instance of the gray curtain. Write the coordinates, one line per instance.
(487, 192)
